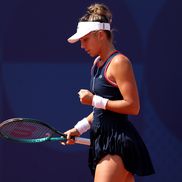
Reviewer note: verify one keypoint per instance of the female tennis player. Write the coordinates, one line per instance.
(117, 152)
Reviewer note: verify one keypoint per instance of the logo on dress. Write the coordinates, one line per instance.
(100, 76)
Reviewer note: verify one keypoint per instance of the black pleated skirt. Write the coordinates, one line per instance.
(115, 135)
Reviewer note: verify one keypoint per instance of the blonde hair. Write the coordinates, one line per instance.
(98, 13)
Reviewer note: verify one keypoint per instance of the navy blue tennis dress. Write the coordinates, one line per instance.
(112, 133)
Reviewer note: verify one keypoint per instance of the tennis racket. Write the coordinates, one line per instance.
(29, 130)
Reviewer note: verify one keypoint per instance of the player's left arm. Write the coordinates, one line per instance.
(121, 72)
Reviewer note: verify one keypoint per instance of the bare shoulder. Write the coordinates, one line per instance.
(121, 60)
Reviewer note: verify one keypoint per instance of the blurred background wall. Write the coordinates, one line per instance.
(40, 75)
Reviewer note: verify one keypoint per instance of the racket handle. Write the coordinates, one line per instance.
(83, 141)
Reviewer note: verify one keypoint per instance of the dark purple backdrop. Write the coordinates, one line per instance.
(40, 75)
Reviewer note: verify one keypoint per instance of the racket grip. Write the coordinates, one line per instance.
(83, 141)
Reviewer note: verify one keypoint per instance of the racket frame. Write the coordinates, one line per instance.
(78, 140)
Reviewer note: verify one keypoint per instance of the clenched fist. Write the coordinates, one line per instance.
(85, 97)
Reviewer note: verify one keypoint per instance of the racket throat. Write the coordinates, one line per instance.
(57, 139)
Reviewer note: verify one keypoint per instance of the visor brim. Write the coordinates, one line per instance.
(76, 37)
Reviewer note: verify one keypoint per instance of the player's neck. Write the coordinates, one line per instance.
(107, 51)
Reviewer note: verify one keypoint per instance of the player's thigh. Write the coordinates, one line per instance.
(111, 169)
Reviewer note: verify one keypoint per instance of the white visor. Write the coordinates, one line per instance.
(86, 27)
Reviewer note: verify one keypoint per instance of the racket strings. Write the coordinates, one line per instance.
(26, 130)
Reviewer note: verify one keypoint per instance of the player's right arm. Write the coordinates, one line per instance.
(74, 131)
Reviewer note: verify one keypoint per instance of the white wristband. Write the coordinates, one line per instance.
(82, 126)
(99, 102)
